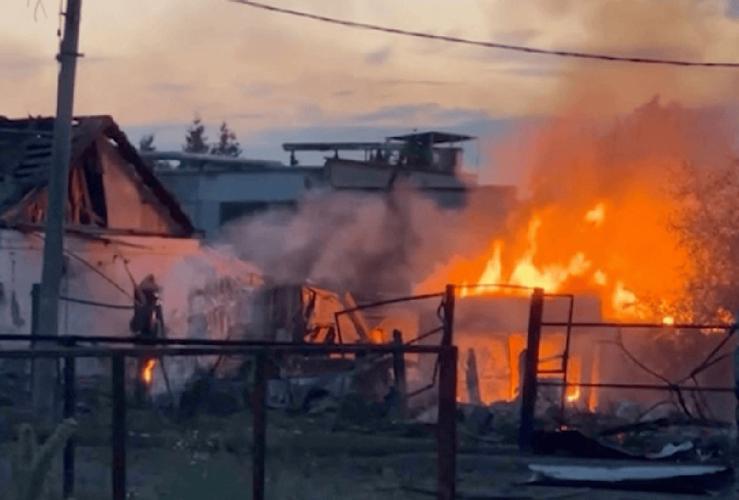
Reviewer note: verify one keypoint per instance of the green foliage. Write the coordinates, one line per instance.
(146, 144)
(227, 144)
(31, 463)
(195, 140)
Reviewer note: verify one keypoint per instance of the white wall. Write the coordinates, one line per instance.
(94, 270)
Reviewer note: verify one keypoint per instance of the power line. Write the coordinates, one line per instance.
(490, 45)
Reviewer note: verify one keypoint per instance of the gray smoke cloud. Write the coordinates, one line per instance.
(373, 243)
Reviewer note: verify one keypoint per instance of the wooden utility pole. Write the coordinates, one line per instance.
(48, 314)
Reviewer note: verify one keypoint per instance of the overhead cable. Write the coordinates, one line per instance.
(488, 44)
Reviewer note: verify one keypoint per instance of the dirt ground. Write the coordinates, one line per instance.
(308, 458)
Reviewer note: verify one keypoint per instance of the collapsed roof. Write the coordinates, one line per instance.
(111, 188)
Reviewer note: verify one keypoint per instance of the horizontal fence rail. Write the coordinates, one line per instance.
(662, 383)
(238, 349)
(676, 326)
(70, 350)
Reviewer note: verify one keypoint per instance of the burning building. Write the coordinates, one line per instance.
(602, 223)
(345, 245)
(597, 227)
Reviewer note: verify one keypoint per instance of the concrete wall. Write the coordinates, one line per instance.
(202, 194)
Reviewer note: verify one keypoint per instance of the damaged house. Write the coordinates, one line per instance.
(122, 225)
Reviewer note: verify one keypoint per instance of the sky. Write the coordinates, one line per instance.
(154, 64)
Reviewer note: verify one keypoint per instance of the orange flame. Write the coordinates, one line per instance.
(148, 372)
(573, 394)
(598, 221)
(525, 272)
(597, 214)
(580, 255)
(574, 374)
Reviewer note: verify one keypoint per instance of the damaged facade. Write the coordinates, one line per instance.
(121, 225)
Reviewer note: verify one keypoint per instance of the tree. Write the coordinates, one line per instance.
(195, 140)
(227, 144)
(146, 144)
(708, 226)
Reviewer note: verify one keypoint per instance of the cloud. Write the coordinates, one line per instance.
(258, 89)
(167, 87)
(19, 60)
(517, 36)
(424, 115)
(429, 83)
(732, 8)
(271, 72)
(245, 116)
(378, 57)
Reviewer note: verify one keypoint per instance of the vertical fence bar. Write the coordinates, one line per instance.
(399, 374)
(35, 362)
(70, 401)
(259, 426)
(35, 294)
(448, 306)
(529, 390)
(566, 362)
(447, 424)
(119, 427)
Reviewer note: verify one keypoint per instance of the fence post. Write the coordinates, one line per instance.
(119, 427)
(259, 426)
(447, 424)
(448, 305)
(37, 382)
(35, 297)
(399, 374)
(531, 368)
(70, 401)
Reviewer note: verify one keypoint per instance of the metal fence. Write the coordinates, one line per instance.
(531, 381)
(119, 349)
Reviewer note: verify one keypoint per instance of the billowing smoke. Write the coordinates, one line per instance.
(366, 243)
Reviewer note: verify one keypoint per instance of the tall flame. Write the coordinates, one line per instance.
(597, 214)
(592, 268)
(599, 220)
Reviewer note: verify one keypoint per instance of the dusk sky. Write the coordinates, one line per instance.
(154, 64)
